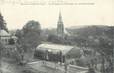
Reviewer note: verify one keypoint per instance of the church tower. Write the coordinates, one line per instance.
(60, 27)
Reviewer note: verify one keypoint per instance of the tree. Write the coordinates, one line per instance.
(2, 23)
(30, 36)
(28, 39)
(106, 50)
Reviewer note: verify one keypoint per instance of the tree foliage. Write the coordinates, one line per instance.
(29, 36)
(2, 23)
(28, 39)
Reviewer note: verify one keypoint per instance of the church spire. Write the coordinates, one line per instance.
(60, 26)
(60, 18)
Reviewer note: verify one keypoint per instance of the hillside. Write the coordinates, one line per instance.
(94, 31)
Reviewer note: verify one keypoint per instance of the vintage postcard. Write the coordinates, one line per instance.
(56, 36)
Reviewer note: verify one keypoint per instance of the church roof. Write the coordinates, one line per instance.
(4, 33)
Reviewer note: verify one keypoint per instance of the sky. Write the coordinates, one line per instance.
(98, 13)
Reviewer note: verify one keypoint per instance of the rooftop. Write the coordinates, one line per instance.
(4, 33)
(55, 47)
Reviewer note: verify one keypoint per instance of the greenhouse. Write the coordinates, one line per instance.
(56, 52)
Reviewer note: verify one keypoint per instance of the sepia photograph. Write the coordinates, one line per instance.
(56, 36)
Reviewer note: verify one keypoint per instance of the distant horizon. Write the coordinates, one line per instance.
(72, 27)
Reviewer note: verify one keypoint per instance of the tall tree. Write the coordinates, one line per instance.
(2, 23)
(29, 36)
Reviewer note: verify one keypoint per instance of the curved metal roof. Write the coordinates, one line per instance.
(55, 47)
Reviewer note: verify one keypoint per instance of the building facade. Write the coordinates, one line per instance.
(5, 37)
